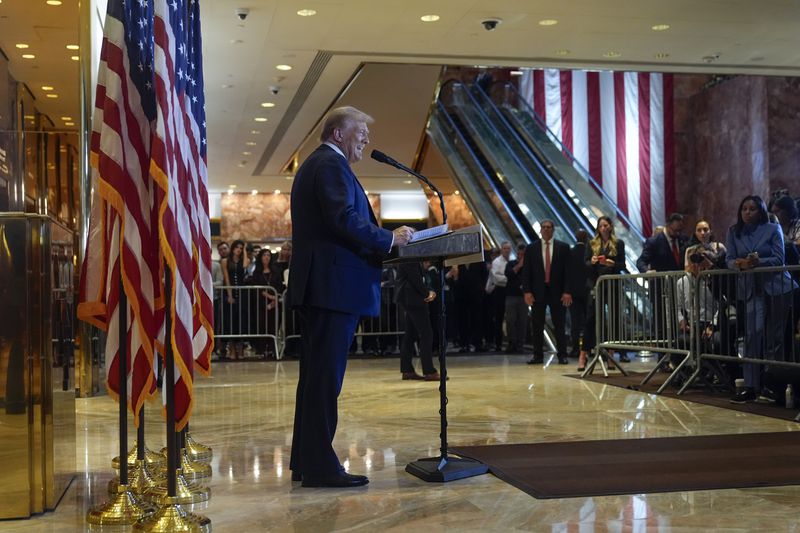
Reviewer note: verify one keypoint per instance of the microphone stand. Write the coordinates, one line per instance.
(444, 467)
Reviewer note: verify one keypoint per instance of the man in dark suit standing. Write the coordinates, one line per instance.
(335, 278)
(579, 289)
(545, 284)
(664, 252)
(413, 296)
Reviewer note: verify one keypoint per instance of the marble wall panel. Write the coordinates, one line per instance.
(783, 108)
(263, 217)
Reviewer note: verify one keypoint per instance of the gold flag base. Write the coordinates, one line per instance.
(124, 508)
(173, 518)
(152, 458)
(198, 452)
(192, 470)
(140, 478)
(187, 493)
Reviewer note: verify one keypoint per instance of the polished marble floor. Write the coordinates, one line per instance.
(245, 413)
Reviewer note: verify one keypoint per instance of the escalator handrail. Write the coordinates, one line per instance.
(513, 155)
(577, 164)
(475, 159)
(533, 157)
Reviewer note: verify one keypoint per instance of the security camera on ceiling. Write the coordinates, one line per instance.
(242, 13)
(491, 24)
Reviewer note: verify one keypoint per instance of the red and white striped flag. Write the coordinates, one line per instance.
(122, 244)
(178, 166)
(619, 127)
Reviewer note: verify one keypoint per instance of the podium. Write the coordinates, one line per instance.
(453, 248)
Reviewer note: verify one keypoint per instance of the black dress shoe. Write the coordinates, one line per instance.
(536, 360)
(297, 476)
(412, 376)
(341, 480)
(745, 396)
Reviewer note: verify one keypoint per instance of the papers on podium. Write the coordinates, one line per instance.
(428, 233)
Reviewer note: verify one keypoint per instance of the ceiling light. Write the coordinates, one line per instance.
(232, 186)
(242, 164)
(47, 88)
(267, 104)
(660, 27)
(28, 56)
(53, 2)
(561, 52)
(66, 118)
(230, 192)
(73, 47)
(429, 18)
(255, 132)
(611, 53)
(548, 22)
(661, 55)
(516, 73)
(247, 153)
(408, 182)
(277, 191)
(289, 177)
(457, 192)
(22, 46)
(254, 192)
(306, 12)
(250, 143)
(74, 58)
(51, 95)
(69, 123)
(283, 67)
(227, 86)
(260, 119)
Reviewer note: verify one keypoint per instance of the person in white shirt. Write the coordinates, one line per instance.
(496, 286)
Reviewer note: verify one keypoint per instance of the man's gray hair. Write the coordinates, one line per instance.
(340, 118)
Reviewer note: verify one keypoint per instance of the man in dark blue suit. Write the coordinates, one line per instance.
(334, 279)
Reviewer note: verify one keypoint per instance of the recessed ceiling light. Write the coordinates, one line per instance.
(74, 58)
(22, 46)
(255, 132)
(73, 47)
(548, 22)
(66, 118)
(408, 182)
(611, 53)
(289, 177)
(69, 123)
(283, 67)
(230, 192)
(28, 56)
(51, 95)
(277, 191)
(254, 192)
(429, 18)
(250, 143)
(47, 88)
(53, 2)
(247, 153)
(227, 86)
(260, 119)
(457, 192)
(661, 55)
(242, 164)
(561, 52)
(516, 73)
(306, 12)
(267, 104)
(660, 27)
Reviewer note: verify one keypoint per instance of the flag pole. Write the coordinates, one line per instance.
(124, 507)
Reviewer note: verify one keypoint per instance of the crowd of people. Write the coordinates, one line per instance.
(501, 304)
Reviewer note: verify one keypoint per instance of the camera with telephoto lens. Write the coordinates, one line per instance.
(697, 258)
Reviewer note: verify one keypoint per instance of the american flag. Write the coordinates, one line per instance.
(178, 164)
(618, 125)
(123, 244)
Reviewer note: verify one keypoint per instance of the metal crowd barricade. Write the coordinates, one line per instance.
(249, 313)
(756, 324)
(638, 312)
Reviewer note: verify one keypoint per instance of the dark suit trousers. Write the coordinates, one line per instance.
(326, 338)
(557, 313)
(577, 315)
(418, 328)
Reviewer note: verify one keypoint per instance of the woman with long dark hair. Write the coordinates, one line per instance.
(233, 308)
(604, 255)
(764, 297)
(711, 248)
(264, 302)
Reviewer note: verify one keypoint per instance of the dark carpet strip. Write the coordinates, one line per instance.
(636, 466)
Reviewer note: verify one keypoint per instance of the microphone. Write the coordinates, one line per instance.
(379, 156)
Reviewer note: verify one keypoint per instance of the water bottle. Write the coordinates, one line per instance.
(789, 396)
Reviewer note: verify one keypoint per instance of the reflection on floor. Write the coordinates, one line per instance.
(245, 413)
